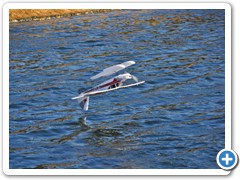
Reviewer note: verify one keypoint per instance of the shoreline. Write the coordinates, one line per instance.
(22, 15)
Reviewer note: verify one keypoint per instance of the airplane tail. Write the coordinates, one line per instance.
(84, 102)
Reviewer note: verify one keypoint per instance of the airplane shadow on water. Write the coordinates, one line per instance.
(83, 123)
(81, 126)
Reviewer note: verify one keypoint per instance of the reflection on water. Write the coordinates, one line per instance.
(165, 123)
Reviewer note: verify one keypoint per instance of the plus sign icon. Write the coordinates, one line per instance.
(227, 159)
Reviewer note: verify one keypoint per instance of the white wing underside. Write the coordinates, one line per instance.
(120, 87)
(103, 91)
(113, 69)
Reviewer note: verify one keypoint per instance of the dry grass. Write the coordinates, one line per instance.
(41, 14)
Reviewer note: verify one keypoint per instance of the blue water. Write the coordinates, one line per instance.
(173, 121)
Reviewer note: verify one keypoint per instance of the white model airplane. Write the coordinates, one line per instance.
(110, 85)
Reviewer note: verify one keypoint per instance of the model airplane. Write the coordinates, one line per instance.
(110, 85)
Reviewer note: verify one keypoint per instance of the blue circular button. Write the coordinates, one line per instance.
(227, 159)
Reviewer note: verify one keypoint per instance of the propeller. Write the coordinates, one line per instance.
(135, 78)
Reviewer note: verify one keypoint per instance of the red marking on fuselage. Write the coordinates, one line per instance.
(104, 85)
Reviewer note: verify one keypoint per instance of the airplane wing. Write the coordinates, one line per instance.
(107, 90)
(83, 100)
(81, 97)
(113, 69)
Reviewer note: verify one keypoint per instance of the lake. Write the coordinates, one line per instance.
(175, 120)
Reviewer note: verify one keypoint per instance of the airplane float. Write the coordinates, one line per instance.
(109, 85)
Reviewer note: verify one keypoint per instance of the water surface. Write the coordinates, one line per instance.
(173, 121)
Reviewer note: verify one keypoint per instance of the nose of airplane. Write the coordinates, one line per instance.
(129, 76)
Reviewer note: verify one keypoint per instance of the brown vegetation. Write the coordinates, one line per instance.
(16, 15)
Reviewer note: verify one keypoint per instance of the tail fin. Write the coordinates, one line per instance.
(84, 102)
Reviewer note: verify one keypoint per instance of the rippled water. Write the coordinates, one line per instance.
(173, 121)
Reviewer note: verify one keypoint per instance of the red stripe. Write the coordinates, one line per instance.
(110, 83)
(104, 85)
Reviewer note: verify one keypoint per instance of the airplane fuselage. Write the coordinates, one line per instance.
(111, 83)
